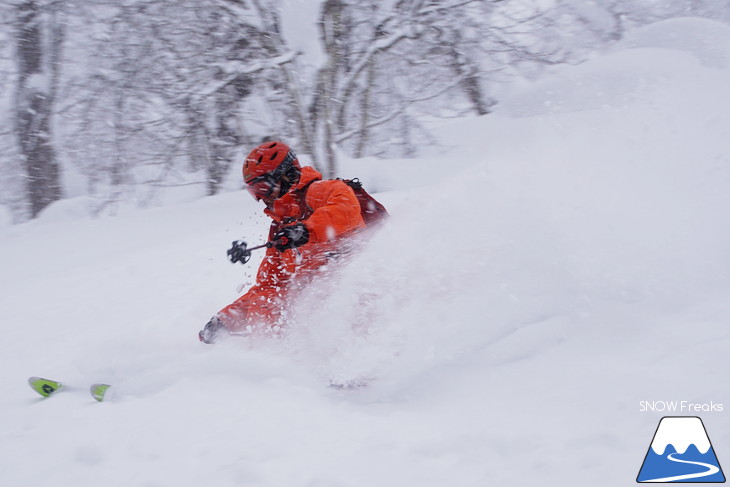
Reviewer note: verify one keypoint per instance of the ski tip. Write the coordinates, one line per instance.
(44, 387)
(98, 391)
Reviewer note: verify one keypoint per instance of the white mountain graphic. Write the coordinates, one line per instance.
(681, 432)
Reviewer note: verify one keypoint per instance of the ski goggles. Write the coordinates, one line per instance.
(261, 187)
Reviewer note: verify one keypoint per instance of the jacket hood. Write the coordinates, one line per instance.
(308, 175)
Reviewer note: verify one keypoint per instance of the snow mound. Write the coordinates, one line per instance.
(707, 40)
(647, 68)
(68, 209)
(6, 218)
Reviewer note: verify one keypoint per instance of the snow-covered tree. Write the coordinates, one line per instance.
(39, 33)
(130, 97)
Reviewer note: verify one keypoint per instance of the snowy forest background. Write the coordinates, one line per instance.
(117, 102)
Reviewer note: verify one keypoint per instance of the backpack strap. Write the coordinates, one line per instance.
(354, 183)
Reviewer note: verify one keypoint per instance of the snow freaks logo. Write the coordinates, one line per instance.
(680, 452)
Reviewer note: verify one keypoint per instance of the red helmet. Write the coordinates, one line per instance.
(265, 166)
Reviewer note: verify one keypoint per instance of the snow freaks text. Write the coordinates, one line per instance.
(680, 407)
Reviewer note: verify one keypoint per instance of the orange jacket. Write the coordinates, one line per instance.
(330, 211)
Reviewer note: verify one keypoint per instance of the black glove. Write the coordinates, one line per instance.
(239, 252)
(292, 236)
(213, 331)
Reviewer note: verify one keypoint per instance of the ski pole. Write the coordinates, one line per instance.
(266, 245)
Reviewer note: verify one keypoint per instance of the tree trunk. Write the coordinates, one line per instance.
(226, 135)
(33, 108)
(364, 134)
(332, 33)
(469, 76)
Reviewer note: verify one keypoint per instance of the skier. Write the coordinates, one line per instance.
(311, 218)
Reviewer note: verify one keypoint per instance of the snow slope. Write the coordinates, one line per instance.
(560, 261)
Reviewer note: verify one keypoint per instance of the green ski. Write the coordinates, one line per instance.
(44, 387)
(48, 387)
(98, 391)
